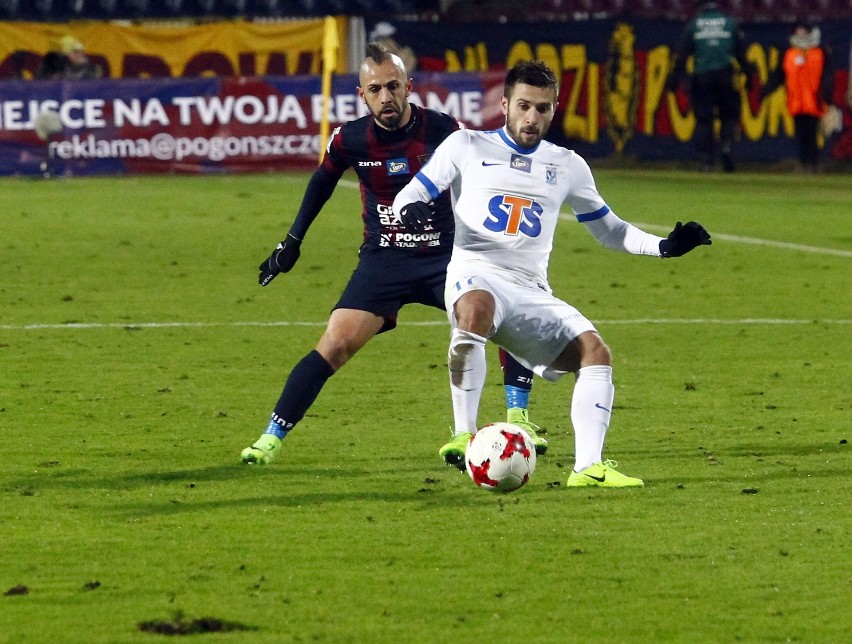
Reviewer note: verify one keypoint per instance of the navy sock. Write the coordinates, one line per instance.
(300, 391)
(517, 380)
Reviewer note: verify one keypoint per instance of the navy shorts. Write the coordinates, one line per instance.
(386, 279)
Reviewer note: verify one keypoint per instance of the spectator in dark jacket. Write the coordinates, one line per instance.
(716, 41)
(70, 62)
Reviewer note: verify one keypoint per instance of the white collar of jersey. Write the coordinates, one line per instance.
(508, 140)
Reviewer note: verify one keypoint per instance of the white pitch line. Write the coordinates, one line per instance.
(759, 242)
(198, 325)
(353, 184)
(739, 239)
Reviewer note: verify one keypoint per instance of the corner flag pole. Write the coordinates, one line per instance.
(330, 45)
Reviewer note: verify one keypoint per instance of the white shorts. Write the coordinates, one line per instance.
(529, 321)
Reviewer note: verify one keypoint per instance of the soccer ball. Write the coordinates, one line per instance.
(500, 457)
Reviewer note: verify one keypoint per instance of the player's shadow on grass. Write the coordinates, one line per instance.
(83, 478)
(264, 478)
(409, 498)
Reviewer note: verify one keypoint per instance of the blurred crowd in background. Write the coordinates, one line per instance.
(449, 10)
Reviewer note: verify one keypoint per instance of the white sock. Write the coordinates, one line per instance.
(591, 406)
(466, 359)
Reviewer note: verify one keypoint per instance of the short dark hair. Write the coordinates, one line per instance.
(530, 72)
(377, 53)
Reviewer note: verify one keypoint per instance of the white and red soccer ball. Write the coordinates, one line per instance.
(500, 457)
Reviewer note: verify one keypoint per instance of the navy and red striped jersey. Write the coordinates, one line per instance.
(385, 161)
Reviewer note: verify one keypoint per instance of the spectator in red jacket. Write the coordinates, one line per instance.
(805, 73)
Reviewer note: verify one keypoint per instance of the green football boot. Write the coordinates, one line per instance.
(453, 452)
(602, 475)
(263, 451)
(520, 417)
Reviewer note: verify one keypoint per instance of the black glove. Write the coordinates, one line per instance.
(416, 215)
(282, 259)
(683, 239)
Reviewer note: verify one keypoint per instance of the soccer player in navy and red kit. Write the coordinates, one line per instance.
(395, 266)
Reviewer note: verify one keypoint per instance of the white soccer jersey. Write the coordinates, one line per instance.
(507, 200)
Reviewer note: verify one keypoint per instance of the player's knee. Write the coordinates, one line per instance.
(585, 350)
(596, 352)
(474, 311)
(336, 350)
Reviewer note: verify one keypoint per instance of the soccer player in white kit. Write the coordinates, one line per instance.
(508, 186)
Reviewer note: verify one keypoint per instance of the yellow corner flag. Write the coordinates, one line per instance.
(330, 45)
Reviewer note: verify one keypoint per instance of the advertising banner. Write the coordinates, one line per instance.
(612, 74)
(231, 48)
(612, 99)
(199, 125)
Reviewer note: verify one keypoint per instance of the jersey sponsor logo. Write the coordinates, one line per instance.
(513, 215)
(417, 239)
(403, 239)
(518, 162)
(386, 216)
(398, 166)
(369, 164)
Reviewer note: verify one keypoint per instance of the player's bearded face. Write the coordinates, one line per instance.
(529, 113)
(385, 90)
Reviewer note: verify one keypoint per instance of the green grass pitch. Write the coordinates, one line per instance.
(139, 356)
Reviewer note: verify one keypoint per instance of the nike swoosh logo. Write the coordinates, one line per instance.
(599, 479)
(600, 406)
(485, 164)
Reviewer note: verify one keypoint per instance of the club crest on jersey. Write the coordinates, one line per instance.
(518, 162)
(397, 166)
(550, 175)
